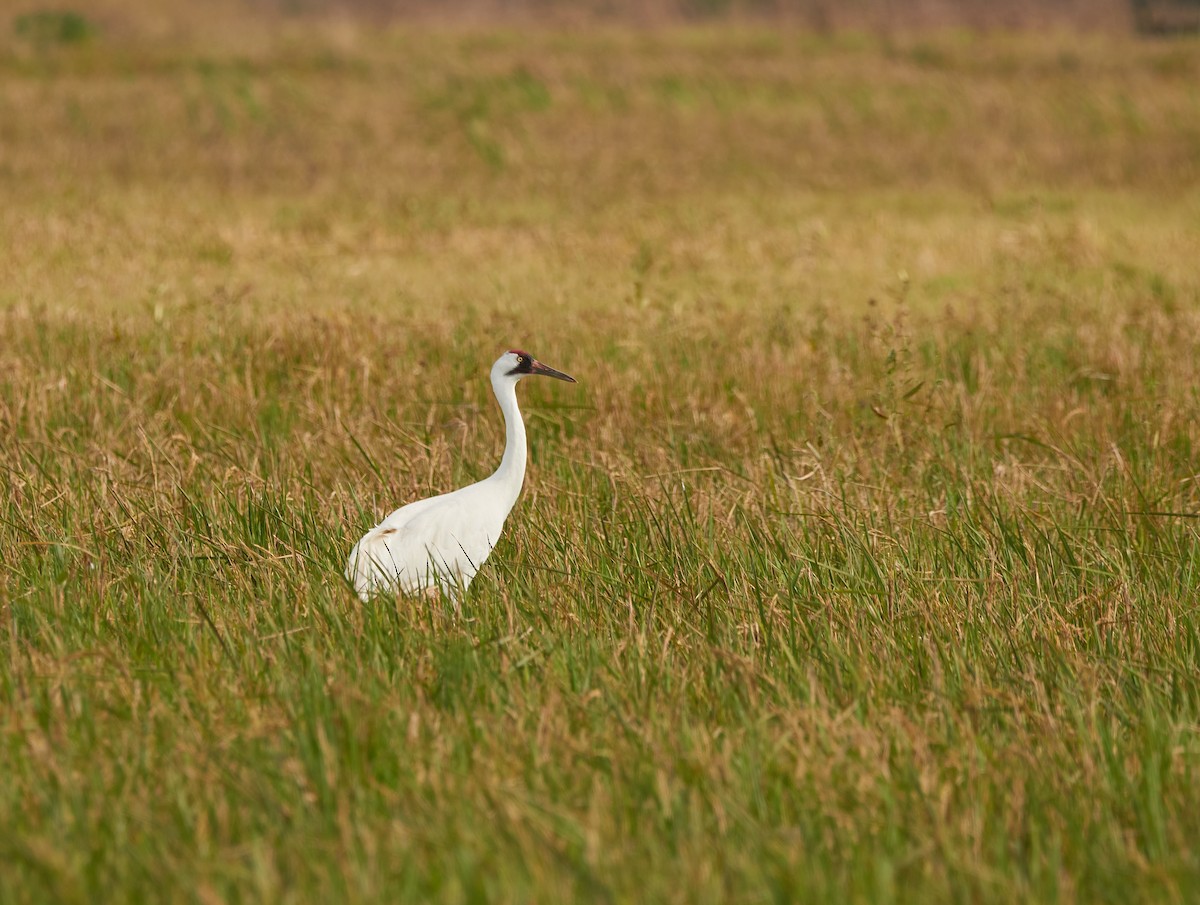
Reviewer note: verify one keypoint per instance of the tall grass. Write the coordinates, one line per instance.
(861, 564)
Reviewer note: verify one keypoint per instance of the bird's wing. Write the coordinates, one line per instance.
(458, 535)
(387, 559)
(439, 541)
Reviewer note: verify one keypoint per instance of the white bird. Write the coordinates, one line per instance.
(438, 544)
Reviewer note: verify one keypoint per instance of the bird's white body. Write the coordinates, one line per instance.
(440, 543)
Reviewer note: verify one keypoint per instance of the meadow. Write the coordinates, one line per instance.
(861, 565)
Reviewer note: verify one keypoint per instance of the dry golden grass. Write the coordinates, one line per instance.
(861, 565)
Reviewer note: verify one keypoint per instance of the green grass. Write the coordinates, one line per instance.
(862, 564)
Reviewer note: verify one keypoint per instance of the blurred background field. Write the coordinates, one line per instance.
(338, 166)
(861, 565)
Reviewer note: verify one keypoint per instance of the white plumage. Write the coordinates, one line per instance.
(440, 543)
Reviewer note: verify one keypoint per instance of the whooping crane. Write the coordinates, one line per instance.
(440, 543)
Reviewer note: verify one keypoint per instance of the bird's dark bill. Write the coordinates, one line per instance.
(545, 371)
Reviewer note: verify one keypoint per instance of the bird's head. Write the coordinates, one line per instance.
(516, 364)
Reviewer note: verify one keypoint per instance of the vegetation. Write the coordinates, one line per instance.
(861, 565)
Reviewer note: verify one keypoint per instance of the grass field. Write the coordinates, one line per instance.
(862, 564)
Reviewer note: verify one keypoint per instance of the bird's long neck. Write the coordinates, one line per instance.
(511, 473)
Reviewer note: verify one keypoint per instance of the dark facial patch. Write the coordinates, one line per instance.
(524, 362)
